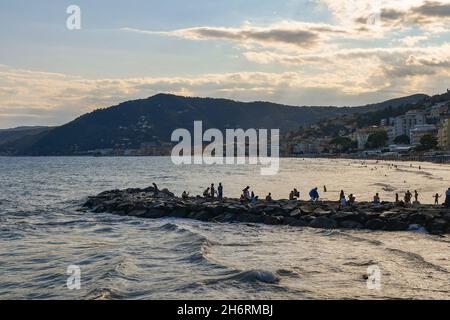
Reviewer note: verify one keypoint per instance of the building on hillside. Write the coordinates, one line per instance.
(444, 134)
(421, 130)
(362, 135)
(310, 146)
(439, 110)
(403, 124)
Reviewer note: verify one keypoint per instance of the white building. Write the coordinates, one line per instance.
(403, 124)
(421, 130)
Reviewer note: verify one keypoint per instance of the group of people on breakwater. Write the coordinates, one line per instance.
(250, 197)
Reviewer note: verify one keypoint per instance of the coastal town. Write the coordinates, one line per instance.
(418, 132)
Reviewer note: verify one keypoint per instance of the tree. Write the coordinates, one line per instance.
(343, 144)
(403, 139)
(428, 142)
(377, 140)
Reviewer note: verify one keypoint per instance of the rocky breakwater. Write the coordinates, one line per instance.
(153, 204)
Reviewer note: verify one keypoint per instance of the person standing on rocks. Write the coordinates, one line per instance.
(416, 196)
(408, 196)
(325, 189)
(397, 199)
(220, 191)
(212, 191)
(341, 195)
(436, 198)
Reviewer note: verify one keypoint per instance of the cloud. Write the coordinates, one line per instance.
(288, 33)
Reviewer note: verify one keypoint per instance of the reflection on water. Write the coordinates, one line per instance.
(42, 233)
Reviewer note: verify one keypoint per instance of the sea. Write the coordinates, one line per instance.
(44, 236)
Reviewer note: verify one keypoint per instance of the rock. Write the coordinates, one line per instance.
(306, 209)
(437, 226)
(137, 213)
(388, 214)
(350, 224)
(272, 220)
(298, 223)
(321, 212)
(250, 218)
(342, 216)
(154, 213)
(98, 209)
(417, 218)
(446, 216)
(396, 225)
(375, 224)
(179, 212)
(148, 203)
(295, 213)
(323, 223)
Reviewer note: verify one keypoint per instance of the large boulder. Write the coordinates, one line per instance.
(273, 220)
(323, 223)
(396, 225)
(417, 218)
(375, 224)
(437, 226)
(350, 224)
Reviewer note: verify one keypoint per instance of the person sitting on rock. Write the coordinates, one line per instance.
(220, 191)
(291, 195)
(314, 194)
(351, 199)
(206, 193)
(436, 198)
(269, 197)
(376, 199)
(447, 198)
(246, 193)
(155, 186)
(296, 194)
(254, 199)
(185, 195)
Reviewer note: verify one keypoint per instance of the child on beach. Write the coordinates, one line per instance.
(436, 198)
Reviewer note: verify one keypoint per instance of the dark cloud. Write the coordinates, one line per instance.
(427, 13)
(302, 38)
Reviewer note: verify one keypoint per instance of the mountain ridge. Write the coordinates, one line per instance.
(153, 119)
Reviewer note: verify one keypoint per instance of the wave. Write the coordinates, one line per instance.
(416, 259)
(250, 276)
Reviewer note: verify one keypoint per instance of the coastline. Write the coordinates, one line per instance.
(154, 204)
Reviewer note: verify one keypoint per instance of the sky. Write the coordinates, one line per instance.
(297, 52)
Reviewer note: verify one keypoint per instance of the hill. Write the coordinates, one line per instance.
(152, 120)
